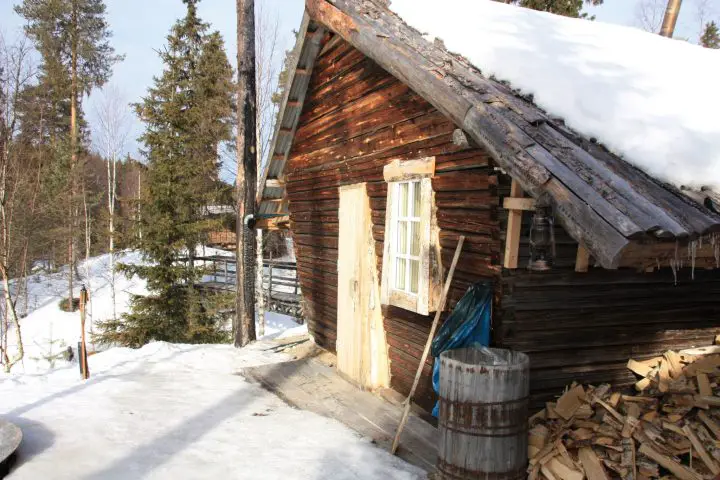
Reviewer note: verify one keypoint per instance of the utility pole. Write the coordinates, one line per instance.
(246, 181)
(671, 15)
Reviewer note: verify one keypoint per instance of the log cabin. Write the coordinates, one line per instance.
(389, 147)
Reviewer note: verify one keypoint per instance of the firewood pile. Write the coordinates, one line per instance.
(669, 427)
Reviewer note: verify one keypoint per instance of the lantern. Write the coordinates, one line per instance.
(542, 240)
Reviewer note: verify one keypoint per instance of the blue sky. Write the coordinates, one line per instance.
(140, 27)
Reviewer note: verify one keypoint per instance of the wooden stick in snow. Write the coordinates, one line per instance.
(431, 335)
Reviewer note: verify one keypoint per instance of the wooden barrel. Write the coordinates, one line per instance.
(483, 414)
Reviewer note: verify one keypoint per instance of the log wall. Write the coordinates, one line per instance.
(356, 119)
(585, 326)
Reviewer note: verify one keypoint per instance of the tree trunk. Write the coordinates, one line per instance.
(112, 185)
(259, 284)
(671, 16)
(73, 153)
(244, 328)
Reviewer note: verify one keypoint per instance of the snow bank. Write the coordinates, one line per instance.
(48, 331)
(650, 99)
(179, 411)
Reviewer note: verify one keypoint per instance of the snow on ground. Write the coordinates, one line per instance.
(47, 330)
(651, 99)
(179, 411)
(165, 410)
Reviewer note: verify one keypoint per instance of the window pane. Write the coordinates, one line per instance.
(402, 237)
(415, 238)
(414, 275)
(403, 199)
(416, 199)
(400, 273)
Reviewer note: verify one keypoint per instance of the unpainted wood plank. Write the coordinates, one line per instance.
(513, 203)
(700, 449)
(677, 469)
(397, 170)
(594, 469)
(569, 402)
(582, 259)
(703, 383)
(514, 225)
(710, 423)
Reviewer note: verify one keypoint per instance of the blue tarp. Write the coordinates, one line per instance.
(467, 326)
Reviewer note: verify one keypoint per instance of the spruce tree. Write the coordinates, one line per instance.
(72, 37)
(188, 115)
(568, 8)
(711, 36)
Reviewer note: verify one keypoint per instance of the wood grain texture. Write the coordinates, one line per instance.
(356, 119)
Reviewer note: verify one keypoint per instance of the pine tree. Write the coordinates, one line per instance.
(711, 36)
(188, 114)
(568, 8)
(72, 37)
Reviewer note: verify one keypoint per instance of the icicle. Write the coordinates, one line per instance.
(675, 262)
(673, 267)
(657, 259)
(693, 250)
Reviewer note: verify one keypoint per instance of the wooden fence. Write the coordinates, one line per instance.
(281, 289)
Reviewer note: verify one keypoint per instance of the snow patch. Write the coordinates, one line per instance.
(650, 99)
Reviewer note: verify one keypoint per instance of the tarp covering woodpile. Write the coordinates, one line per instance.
(670, 426)
(600, 196)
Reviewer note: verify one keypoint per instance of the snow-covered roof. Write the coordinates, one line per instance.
(598, 195)
(652, 100)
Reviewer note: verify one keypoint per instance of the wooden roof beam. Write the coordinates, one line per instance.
(380, 35)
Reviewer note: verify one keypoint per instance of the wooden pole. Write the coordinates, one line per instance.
(431, 335)
(246, 181)
(83, 348)
(670, 20)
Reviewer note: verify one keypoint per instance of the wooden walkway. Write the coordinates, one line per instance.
(310, 384)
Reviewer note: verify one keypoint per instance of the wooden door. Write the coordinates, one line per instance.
(361, 347)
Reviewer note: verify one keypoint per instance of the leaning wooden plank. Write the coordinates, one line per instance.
(710, 423)
(704, 455)
(594, 470)
(680, 471)
(431, 335)
(514, 225)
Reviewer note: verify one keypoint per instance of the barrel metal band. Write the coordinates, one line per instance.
(519, 401)
(451, 471)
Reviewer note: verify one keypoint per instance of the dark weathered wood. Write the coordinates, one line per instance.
(523, 140)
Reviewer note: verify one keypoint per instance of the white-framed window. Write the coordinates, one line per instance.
(411, 254)
(407, 236)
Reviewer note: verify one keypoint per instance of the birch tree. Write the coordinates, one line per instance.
(72, 37)
(112, 118)
(16, 72)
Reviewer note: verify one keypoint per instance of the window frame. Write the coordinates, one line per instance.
(425, 300)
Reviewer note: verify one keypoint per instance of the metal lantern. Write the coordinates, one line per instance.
(542, 240)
